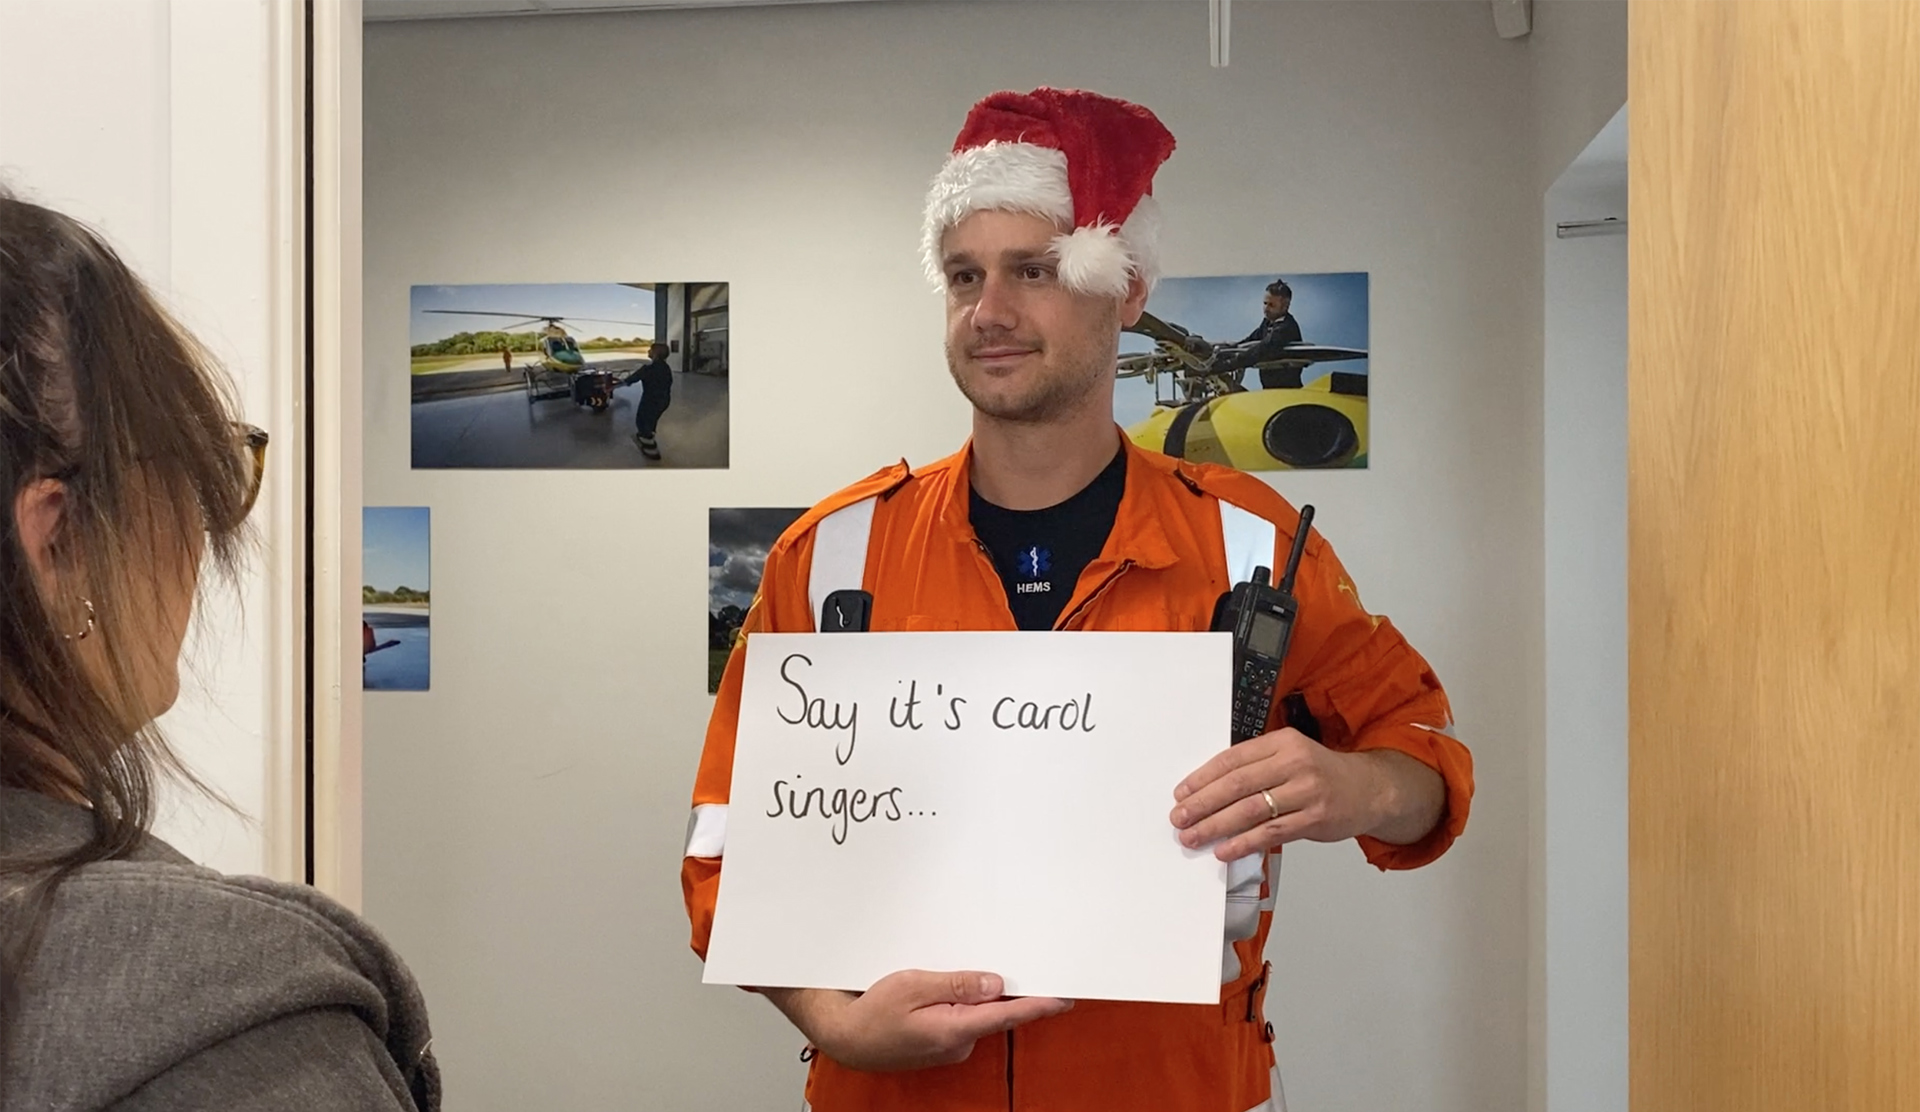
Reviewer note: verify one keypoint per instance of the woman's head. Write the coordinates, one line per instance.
(122, 472)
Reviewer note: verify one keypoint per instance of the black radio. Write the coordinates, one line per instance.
(1260, 617)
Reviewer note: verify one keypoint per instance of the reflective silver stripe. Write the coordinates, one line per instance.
(1244, 876)
(1273, 881)
(1277, 1098)
(1244, 905)
(707, 831)
(1249, 542)
(1446, 729)
(839, 554)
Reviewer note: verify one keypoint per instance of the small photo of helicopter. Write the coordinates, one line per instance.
(555, 368)
(1257, 400)
(569, 375)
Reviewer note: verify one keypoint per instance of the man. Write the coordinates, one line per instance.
(1276, 330)
(656, 394)
(1039, 230)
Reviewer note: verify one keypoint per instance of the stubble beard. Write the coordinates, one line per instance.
(1067, 380)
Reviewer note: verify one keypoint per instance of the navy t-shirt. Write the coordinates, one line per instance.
(1041, 553)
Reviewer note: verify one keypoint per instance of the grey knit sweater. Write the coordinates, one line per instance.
(160, 985)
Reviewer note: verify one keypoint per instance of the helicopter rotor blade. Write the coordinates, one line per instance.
(1154, 328)
(490, 313)
(1304, 354)
(535, 317)
(602, 320)
(520, 320)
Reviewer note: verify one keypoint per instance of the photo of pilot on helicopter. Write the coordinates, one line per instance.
(1262, 372)
(582, 375)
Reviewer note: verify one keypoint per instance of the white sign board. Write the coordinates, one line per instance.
(974, 801)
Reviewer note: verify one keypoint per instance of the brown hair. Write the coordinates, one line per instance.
(102, 391)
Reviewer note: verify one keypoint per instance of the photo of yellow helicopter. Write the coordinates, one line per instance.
(558, 369)
(1202, 412)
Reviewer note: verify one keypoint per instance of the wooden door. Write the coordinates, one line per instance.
(1774, 555)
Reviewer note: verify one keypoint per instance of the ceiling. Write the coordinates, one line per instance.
(387, 10)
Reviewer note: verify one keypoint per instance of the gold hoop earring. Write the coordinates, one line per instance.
(82, 635)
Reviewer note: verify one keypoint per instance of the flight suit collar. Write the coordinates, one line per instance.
(1137, 538)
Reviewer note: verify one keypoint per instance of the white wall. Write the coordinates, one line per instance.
(1585, 769)
(524, 820)
(1579, 83)
(154, 120)
(1579, 50)
(1576, 1027)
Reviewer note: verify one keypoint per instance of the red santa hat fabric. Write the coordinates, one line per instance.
(1081, 159)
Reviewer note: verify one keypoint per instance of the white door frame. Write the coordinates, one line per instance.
(334, 449)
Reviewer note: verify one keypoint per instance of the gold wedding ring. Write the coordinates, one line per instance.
(1273, 811)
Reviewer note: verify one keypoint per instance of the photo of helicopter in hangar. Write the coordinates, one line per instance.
(489, 387)
(558, 369)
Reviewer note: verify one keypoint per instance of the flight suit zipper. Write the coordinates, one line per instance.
(1093, 596)
(992, 573)
(1009, 1071)
(986, 556)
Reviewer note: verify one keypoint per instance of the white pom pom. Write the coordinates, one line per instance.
(1094, 261)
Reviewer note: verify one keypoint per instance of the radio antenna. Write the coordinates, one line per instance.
(1299, 547)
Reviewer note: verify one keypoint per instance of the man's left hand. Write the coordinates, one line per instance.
(1317, 794)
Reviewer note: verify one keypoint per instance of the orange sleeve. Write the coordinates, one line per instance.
(1370, 689)
(780, 606)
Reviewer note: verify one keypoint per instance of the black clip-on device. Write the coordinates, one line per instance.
(846, 612)
(1260, 617)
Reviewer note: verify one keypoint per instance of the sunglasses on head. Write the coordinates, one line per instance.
(255, 440)
(251, 439)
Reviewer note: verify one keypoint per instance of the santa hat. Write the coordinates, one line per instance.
(1081, 159)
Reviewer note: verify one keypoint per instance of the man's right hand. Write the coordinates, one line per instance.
(908, 1020)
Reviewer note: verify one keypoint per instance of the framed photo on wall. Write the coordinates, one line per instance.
(737, 544)
(1263, 372)
(559, 376)
(396, 598)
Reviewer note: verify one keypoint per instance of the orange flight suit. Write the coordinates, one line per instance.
(1163, 567)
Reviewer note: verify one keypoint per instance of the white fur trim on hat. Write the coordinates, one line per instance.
(1093, 260)
(1022, 177)
(1104, 259)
